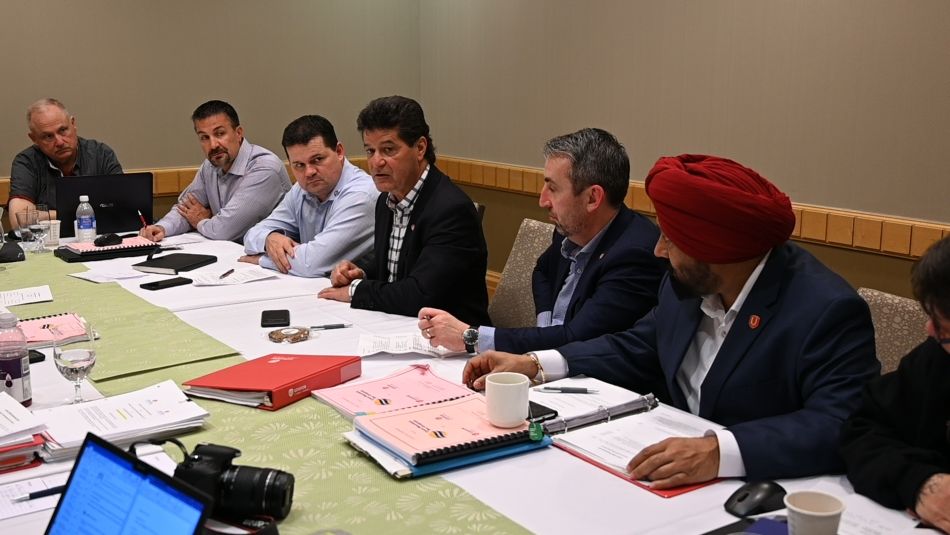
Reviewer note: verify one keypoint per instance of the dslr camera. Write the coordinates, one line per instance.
(238, 491)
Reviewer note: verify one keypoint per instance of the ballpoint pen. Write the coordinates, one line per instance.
(330, 326)
(39, 494)
(567, 390)
(142, 219)
(226, 273)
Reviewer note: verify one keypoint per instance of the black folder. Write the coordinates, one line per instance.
(174, 263)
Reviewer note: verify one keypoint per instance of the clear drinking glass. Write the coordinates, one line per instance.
(23, 231)
(76, 361)
(39, 227)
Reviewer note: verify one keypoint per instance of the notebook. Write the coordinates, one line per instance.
(110, 492)
(116, 199)
(408, 387)
(276, 380)
(439, 432)
(86, 252)
(40, 333)
(174, 263)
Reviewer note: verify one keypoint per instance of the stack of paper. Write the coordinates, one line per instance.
(20, 440)
(400, 344)
(159, 411)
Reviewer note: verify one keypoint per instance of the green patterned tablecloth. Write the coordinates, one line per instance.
(336, 487)
(134, 335)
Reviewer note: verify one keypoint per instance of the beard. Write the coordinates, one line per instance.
(224, 162)
(695, 280)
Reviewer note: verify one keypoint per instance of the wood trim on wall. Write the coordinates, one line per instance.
(846, 229)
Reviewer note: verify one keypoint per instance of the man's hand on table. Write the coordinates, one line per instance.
(933, 502)
(280, 249)
(482, 364)
(677, 461)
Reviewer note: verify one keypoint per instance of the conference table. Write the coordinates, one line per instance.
(183, 332)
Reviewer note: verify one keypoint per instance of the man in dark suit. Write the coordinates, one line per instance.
(750, 331)
(598, 276)
(429, 248)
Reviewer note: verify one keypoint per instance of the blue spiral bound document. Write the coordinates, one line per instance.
(399, 469)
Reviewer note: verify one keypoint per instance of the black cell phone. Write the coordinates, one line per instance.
(36, 356)
(167, 283)
(275, 318)
(540, 413)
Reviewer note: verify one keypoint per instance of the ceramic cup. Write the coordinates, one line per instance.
(506, 395)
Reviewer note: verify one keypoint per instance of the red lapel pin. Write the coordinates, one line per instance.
(754, 321)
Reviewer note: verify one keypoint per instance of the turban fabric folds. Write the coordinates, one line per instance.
(716, 210)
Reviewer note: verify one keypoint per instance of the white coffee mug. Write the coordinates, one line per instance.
(506, 397)
(813, 513)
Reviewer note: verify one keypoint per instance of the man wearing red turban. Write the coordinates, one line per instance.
(751, 332)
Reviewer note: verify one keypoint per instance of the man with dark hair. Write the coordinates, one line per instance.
(897, 445)
(57, 151)
(751, 332)
(429, 247)
(328, 214)
(598, 276)
(237, 186)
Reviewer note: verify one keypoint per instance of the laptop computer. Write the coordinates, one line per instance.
(116, 199)
(109, 491)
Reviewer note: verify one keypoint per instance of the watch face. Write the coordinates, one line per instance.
(470, 336)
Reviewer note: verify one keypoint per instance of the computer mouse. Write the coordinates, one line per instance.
(755, 497)
(107, 239)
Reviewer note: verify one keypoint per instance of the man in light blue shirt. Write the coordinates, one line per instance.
(328, 214)
(237, 186)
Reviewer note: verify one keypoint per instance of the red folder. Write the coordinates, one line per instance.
(280, 379)
(22, 455)
(665, 493)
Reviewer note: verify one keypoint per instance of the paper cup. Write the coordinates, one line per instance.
(53, 237)
(813, 513)
(506, 395)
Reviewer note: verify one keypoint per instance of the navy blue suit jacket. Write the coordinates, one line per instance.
(442, 262)
(618, 286)
(782, 384)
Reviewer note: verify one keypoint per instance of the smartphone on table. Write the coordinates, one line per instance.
(167, 283)
(275, 318)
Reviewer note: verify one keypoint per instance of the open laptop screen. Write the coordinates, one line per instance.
(116, 199)
(111, 492)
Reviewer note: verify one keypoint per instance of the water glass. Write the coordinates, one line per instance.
(39, 227)
(75, 363)
(23, 231)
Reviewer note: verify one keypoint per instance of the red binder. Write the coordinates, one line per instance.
(21, 455)
(276, 380)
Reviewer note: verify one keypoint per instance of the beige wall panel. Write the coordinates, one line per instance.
(132, 71)
(797, 230)
(867, 233)
(165, 182)
(841, 103)
(922, 237)
(840, 229)
(814, 225)
(895, 237)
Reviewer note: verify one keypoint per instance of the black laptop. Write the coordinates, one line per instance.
(112, 492)
(116, 199)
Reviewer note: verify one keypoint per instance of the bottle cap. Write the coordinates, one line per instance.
(83, 198)
(7, 320)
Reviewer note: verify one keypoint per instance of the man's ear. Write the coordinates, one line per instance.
(422, 145)
(596, 196)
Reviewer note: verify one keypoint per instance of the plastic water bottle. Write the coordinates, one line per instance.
(14, 361)
(85, 220)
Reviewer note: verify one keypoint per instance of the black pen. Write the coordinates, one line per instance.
(226, 273)
(567, 390)
(330, 326)
(39, 494)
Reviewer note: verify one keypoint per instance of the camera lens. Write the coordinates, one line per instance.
(247, 490)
